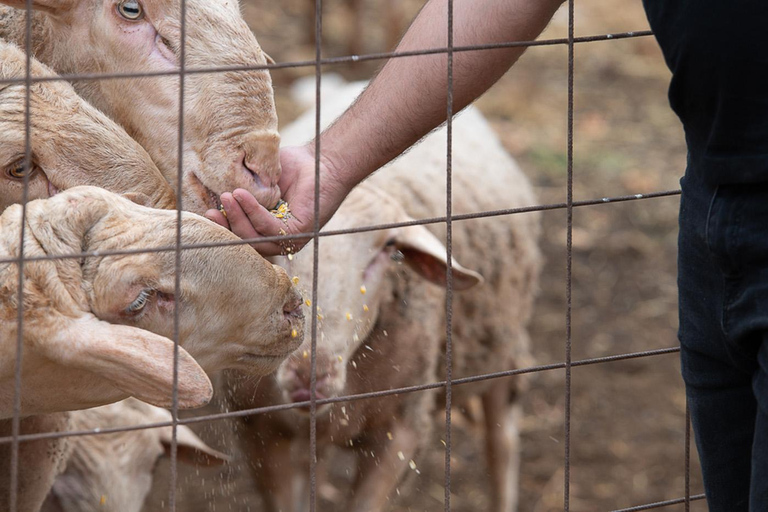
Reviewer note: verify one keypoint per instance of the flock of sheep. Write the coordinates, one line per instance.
(97, 330)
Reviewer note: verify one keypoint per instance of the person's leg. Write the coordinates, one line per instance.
(718, 387)
(759, 485)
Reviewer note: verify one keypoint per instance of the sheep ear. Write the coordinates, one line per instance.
(49, 6)
(191, 449)
(426, 255)
(136, 361)
(138, 198)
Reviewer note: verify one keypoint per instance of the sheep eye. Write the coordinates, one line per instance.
(141, 301)
(17, 171)
(167, 44)
(130, 10)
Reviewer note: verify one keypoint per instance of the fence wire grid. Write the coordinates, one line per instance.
(319, 63)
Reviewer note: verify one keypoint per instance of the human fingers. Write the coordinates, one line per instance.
(263, 222)
(217, 217)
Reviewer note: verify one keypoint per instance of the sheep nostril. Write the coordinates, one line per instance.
(252, 172)
(292, 308)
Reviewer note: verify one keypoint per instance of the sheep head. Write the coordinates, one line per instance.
(110, 318)
(94, 472)
(230, 135)
(71, 142)
(359, 277)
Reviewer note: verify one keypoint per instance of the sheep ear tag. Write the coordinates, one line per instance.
(136, 361)
(425, 254)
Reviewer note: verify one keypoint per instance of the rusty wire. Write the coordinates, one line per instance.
(16, 419)
(569, 270)
(177, 264)
(352, 398)
(364, 229)
(16, 437)
(327, 61)
(315, 263)
(448, 254)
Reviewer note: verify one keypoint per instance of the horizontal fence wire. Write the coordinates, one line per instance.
(363, 229)
(660, 504)
(352, 398)
(326, 61)
(16, 438)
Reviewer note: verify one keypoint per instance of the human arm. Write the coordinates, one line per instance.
(406, 100)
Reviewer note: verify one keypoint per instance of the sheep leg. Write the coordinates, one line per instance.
(502, 443)
(378, 475)
(271, 468)
(39, 461)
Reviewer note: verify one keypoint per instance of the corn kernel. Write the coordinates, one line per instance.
(400, 456)
(349, 316)
(319, 317)
(294, 333)
(341, 359)
(308, 302)
(389, 436)
(362, 289)
(412, 464)
(365, 307)
(103, 500)
(305, 354)
(295, 279)
(290, 257)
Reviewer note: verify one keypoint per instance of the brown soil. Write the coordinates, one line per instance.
(628, 418)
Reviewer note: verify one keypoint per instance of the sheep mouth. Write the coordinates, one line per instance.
(208, 196)
(259, 364)
(304, 395)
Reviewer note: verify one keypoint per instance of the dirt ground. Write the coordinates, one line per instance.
(628, 418)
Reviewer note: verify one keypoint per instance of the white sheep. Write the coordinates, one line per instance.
(230, 135)
(96, 329)
(115, 471)
(71, 142)
(382, 326)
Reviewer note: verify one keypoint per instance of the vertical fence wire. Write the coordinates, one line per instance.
(569, 267)
(177, 263)
(448, 250)
(16, 419)
(315, 262)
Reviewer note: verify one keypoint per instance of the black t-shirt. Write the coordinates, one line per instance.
(718, 53)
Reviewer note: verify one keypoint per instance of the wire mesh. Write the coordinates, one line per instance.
(319, 63)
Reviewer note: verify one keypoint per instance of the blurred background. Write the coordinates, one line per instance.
(628, 418)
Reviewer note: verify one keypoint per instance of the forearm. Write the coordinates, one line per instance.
(408, 98)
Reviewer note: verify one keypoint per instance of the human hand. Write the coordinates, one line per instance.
(248, 219)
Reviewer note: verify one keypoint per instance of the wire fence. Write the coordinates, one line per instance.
(319, 63)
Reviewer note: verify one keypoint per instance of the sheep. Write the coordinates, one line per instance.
(230, 137)
(71, 142)
(381, 325)
(96, 329)
(114, 471)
